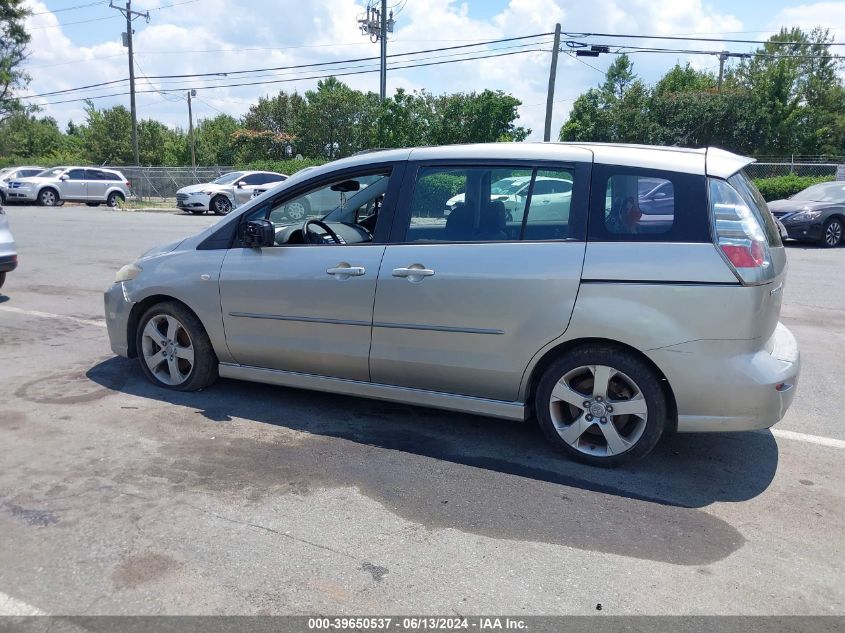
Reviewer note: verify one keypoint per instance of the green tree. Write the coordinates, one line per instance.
(269, 128)
(332, 122)
(13, 43)
(107, 137)
(214, 141)
(25, 135)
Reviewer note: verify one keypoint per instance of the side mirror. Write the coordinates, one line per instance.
(239, 184)
(258, 233)
(64, 177)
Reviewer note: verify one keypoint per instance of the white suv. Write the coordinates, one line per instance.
(73, 184)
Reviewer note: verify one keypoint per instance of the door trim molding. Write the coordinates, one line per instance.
(391, 393)
(436, 328)
(301, 319)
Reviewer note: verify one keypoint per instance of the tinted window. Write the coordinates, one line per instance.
(630, 204)
(253, 179)
(274, 178)
(93, 174)
(111, 176)
(25, 173)
(76, 174)
(484, 204)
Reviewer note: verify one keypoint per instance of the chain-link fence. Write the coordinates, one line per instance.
(769, 170)
(161, 183)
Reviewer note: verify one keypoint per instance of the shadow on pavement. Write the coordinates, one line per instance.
(480, 475)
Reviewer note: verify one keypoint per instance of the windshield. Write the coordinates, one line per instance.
(824, 192)
(225, 179)
(51, 173)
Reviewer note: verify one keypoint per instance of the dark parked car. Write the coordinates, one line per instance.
(815, 214)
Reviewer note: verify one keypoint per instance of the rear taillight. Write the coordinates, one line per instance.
(128, 184)
(739, 235)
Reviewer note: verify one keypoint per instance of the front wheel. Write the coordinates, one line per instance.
(221, 205)
(832, 233)
(174, 349)
(2, 279)
(48, 198)
(601, 406)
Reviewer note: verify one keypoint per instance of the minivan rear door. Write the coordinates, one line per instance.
(464, 300)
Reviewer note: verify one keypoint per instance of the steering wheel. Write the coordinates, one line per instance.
(307, 237)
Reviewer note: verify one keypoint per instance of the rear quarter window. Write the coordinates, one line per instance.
(629, 204)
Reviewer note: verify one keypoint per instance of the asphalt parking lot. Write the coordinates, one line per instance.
(120, 498)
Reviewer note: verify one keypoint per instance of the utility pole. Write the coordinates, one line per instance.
(192, 93)
(383, 29)
(377, 25)
(130, 15)
(550, 97)
(723, 56)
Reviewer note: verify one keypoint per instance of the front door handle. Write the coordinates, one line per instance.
(414, 272)
(344, 271)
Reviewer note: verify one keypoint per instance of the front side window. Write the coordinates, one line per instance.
(76, 174)
(489, 204)
(632, 204)
(228, 179)
(253, 179)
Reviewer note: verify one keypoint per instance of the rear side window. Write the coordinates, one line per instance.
(643, 205)
(490, 204)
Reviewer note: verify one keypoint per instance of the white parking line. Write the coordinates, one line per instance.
(49, 315)
(810, 439)
(14, 607)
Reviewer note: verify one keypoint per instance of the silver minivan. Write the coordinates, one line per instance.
(622, 322)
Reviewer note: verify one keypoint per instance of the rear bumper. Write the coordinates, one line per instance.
(727, 386)
(8, 263)
(118, 308)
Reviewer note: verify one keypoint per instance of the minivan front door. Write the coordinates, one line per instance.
(74, 185)
(308, 308)
(463, 305)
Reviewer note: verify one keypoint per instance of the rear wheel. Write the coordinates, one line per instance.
(832, 233)
(197, 211)
(2, 279)
(115, 199)
(601, 406)
(220, 205)
(174, 349)
(92, 204)
(48, 197)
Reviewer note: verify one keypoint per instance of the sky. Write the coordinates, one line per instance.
(78, 43)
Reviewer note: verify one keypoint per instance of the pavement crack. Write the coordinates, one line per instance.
(287, 535)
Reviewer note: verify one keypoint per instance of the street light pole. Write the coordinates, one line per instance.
(192, 93)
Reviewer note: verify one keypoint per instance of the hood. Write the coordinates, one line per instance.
(781, 207)
(161, 249)
(205, 186)
(34, 179)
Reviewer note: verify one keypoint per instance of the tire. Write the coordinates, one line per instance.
(197, 211)
(187, 334)
(2, 199)
(48, 197)
(92, 204)
(832, 233)
(112, 200)
(220, 205)
(2, 279)
(298, 209)
(570, 413)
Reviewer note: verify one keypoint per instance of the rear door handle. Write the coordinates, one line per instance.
(415, 272)
(345, 270)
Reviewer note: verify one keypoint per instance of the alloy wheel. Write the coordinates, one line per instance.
(222, 205)
(167, 349)
(48, 198)
(598, 410)
(833, 233)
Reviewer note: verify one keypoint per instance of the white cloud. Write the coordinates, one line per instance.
(324, 30)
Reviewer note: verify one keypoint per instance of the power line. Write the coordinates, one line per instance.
(278, 81)
(290, 67)
(79, 6)
(110, 17)
(579, 35)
